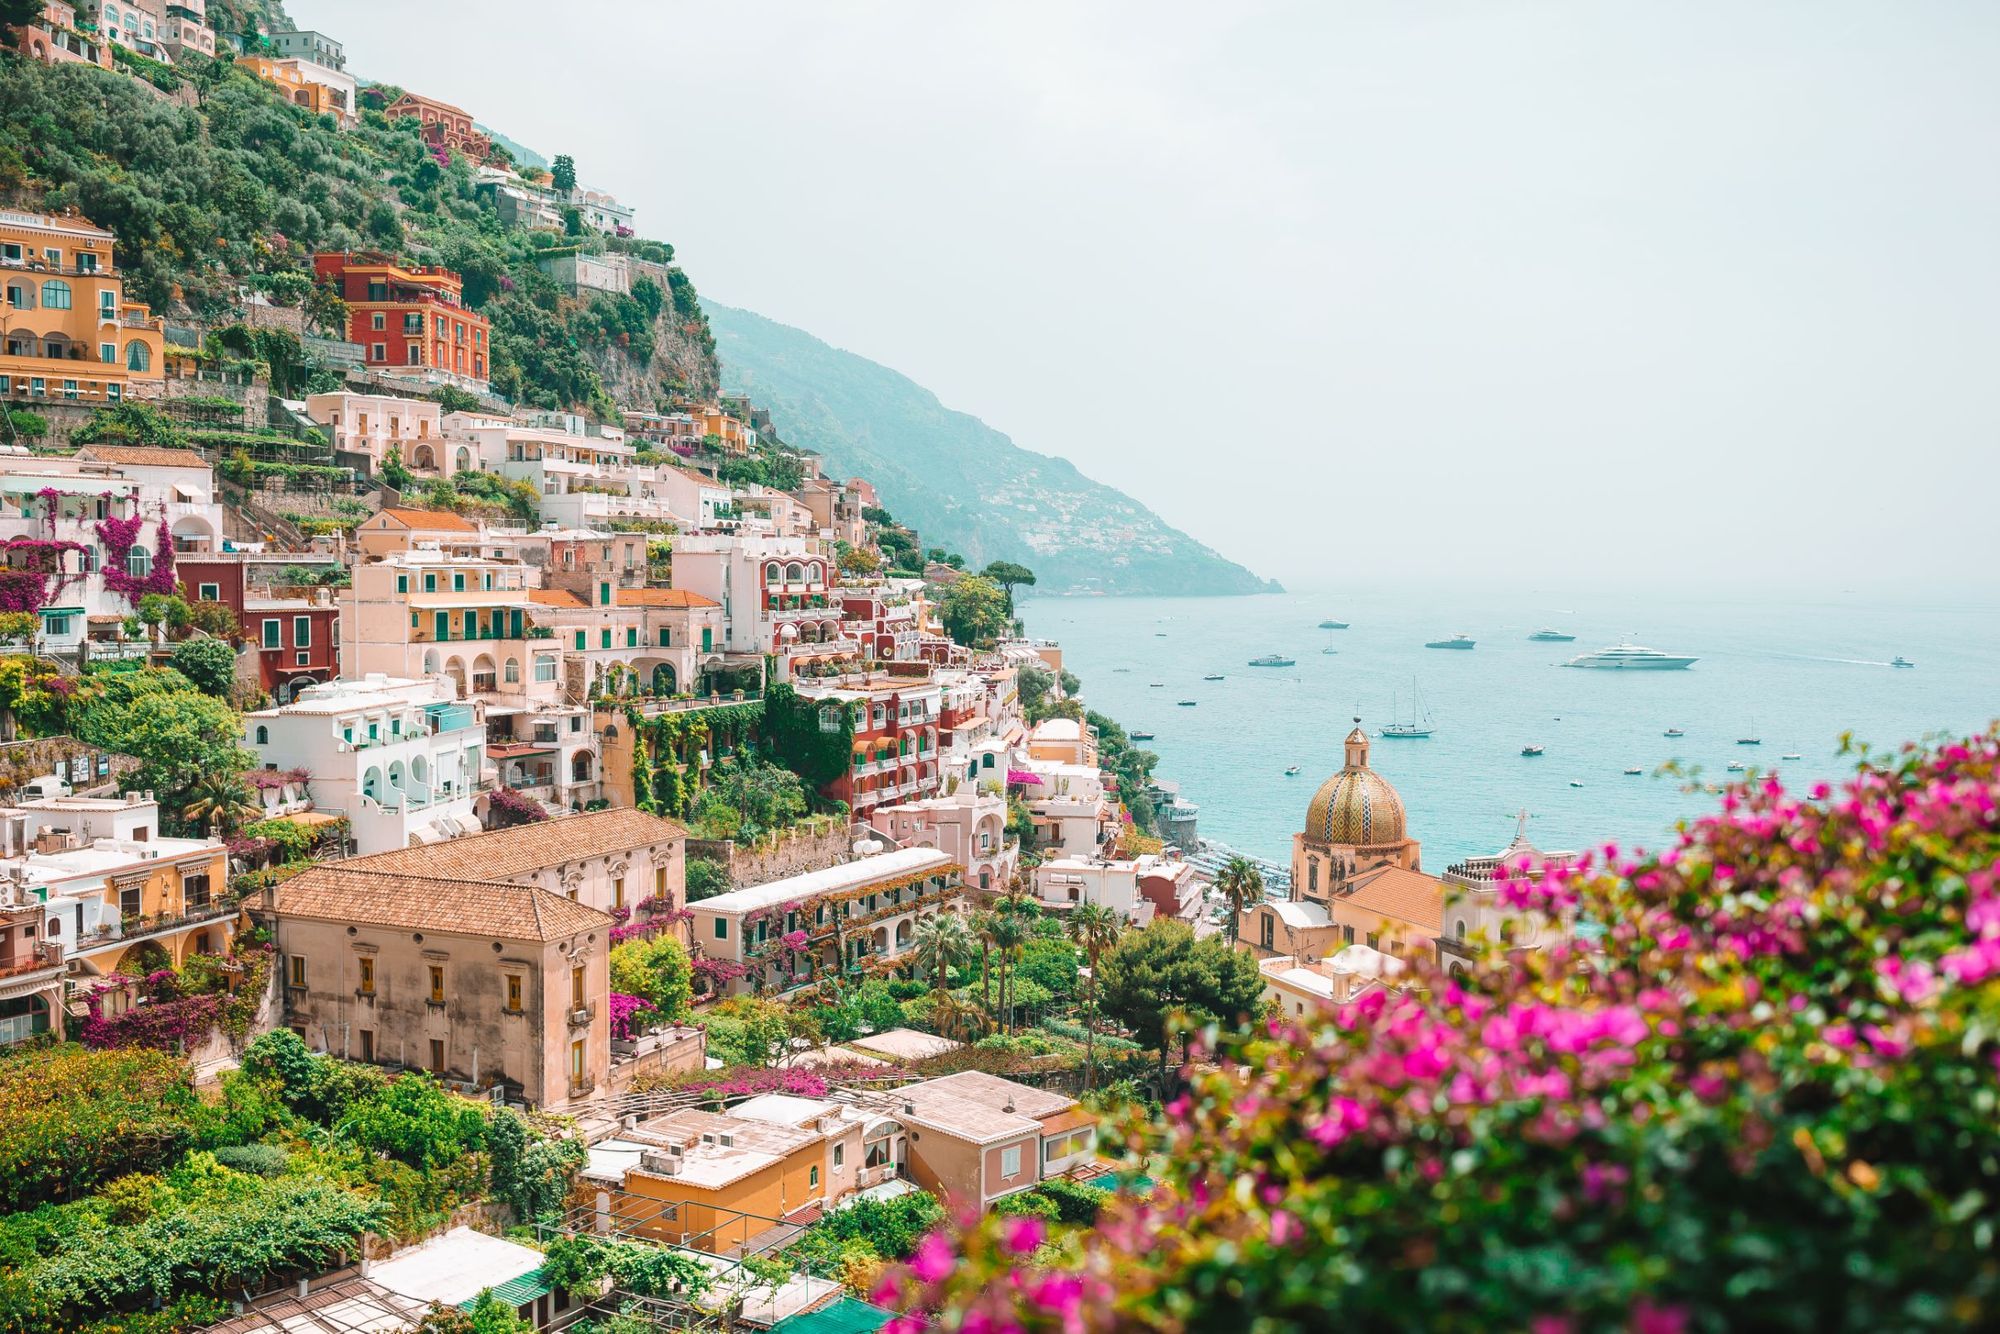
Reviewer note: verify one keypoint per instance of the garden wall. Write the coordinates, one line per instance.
(794, 852)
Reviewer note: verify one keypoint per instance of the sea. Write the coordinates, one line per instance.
(1797, 674)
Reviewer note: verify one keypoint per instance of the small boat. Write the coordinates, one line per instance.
(1790, 756)
(1333, 625)
(1735, 766)
(1186, 703)
(1213, 676)
(1159, 634)
(1574, 783)
(1156, 685)
(1531, 750)
(1121, 669)
(1749, 741)
(1456, 641)
(1634, 770)
(1546, 636)
(1329, 649)
(1900, 661)
(1673, 731)
(1419, 725)
(1274, 660)
(1292, 772)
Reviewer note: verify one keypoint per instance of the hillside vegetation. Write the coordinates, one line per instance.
(240, 190)
(956, 479)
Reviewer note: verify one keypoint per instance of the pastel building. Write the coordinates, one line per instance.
(851, 916)
(1474, 917)
(376, 425)
(975, 1137)
(442, 124)
(1297, 986)
(410, 319)
(777, 594)
(318, 89)
(186, 29)
(423, 613)
(400, 758)
(70, 336)
(295, 640)
(1137, 889)
(968, 826)
(54, 38)
(895, 748)
(138, 25)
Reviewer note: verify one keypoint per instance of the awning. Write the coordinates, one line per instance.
(310, 818)
(68, 486)
(188, 494)
(517, 1292)
(514, 750)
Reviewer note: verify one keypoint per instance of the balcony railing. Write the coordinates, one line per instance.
(44, 957)
(138, 926)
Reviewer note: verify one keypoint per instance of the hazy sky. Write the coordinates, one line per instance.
(1350, 291)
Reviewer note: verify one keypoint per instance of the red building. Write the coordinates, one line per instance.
(442, 124)
(409, 315)
(295, 639)
(895, 754)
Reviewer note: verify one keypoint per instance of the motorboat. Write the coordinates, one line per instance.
(1159, 634)
(1156, 685)
(1213, 676)
(1673, 731)
(1736, 766)
(1274, 660)
(1186, 703)
(1575, 783)
(1791, 756)
(1547, 636)
(1140, 736)
(1333, 625)
(1635, 769)
(1631, 657)
(1292, 772)
(1456, 641)
(1900, 661)
(1531, 750)
(1416, 727)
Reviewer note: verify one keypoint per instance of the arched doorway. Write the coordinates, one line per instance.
(463, 461)
(425, 459)
(663, 679)
(581, 767)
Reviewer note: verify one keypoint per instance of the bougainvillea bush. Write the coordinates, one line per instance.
(1767, 1098)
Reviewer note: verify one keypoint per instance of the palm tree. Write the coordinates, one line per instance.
(1094, 928)
(1009, 931)
(1242, 884)
(982, 930)
(219, 803)
(955, 1018)
(942, 943)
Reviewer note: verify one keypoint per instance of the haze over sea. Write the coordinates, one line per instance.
(1795, 672)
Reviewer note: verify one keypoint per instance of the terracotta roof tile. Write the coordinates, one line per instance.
(377, 897)
(662, 597)
(145, 456)
(556, 597)
(524, 849)
(443, 521)
(1407, 896)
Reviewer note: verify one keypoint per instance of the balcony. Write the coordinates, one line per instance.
(31, 972)
(580, 1016)
(135, 928)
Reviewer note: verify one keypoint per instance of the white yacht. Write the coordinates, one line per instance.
(1630, 657)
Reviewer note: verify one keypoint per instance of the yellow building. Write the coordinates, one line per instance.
(67, 333)
(295, 79)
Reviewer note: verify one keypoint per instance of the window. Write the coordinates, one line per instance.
(1374, 941)
(108, 353)
(812, 1177)
(839, 1154)
(1270, 925)
(1010, 1162)
(576, 988)
(618, 891)
(513, 671)
(722, 928)
(666, 637)
(271, 632)
(580, 643)
(631, 636)
(107, 304)
(208, 593)
(545, 668)
(139, 563)
(194, 890)
(660, 882)
(437, 984)
(263, 735)
(514, 992)
(604, 636)
(1347, 935)
(378, 352)
(576, 1062)
(367, 975)
(138, 357)
(380, 321)
(457, 582)
(402, 583)
(297, 971)
(302, 632)
(55, 294)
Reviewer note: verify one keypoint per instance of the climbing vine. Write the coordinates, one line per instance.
(812, 738)
(38, 578)
(119, 537)
(664, 777)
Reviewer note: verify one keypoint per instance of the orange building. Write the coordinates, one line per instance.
(66, 330)
(443, 124)
(735, 436)
(408, 315)
(300, 88)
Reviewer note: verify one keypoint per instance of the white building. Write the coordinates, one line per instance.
(1137, 889)
(1474, 916)
(398, 757)
(1299, 987)
(1073, 817)
(375, 424)
(776, 592)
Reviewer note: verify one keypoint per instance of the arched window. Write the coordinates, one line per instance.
(774, 573)
(1458, 928)
(138, 357)
(513, 669)
(263, 736)
(794, 573)
(139, 562)
(1312, 877)
(55, 294)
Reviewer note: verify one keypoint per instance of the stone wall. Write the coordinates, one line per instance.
(656, 1056)
(85, 768)
(793, 852)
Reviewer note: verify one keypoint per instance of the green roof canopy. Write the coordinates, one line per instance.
(846, 1316)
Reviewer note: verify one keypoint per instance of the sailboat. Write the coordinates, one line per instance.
(1420, 724)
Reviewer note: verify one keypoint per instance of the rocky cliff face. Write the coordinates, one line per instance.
(959, 482)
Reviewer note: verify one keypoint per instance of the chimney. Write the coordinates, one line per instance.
(1009, 1108)
(909, 1108)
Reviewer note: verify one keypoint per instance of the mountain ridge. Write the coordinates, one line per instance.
(961, 483)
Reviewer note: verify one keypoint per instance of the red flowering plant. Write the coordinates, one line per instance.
(630, 1016)
(1766, 1097)
(119, 537)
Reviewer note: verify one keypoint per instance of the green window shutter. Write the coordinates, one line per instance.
(402, 583)
(442, 626)
(631, 636)
(579, 641)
